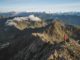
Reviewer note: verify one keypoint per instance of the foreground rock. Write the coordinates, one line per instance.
(45, 43)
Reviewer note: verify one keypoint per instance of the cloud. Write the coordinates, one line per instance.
(40, 5)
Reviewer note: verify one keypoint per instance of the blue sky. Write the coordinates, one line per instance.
(40, 5)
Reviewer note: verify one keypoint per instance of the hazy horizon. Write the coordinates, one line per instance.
(40, 5)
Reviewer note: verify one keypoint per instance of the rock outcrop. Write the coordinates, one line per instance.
(53, 33)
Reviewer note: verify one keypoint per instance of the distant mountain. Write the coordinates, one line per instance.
(7, 14)
(68, 17)
(71, 13)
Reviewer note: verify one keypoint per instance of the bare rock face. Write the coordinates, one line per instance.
(57, 30)
(22, 23)
(37, 24)
(54, 33)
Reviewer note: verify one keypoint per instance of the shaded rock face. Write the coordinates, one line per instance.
(37, 44)
(26, 47)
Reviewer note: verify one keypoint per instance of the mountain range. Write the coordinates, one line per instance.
(43, 43)
(68, 17)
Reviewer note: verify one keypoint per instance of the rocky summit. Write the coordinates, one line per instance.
(43, 43)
